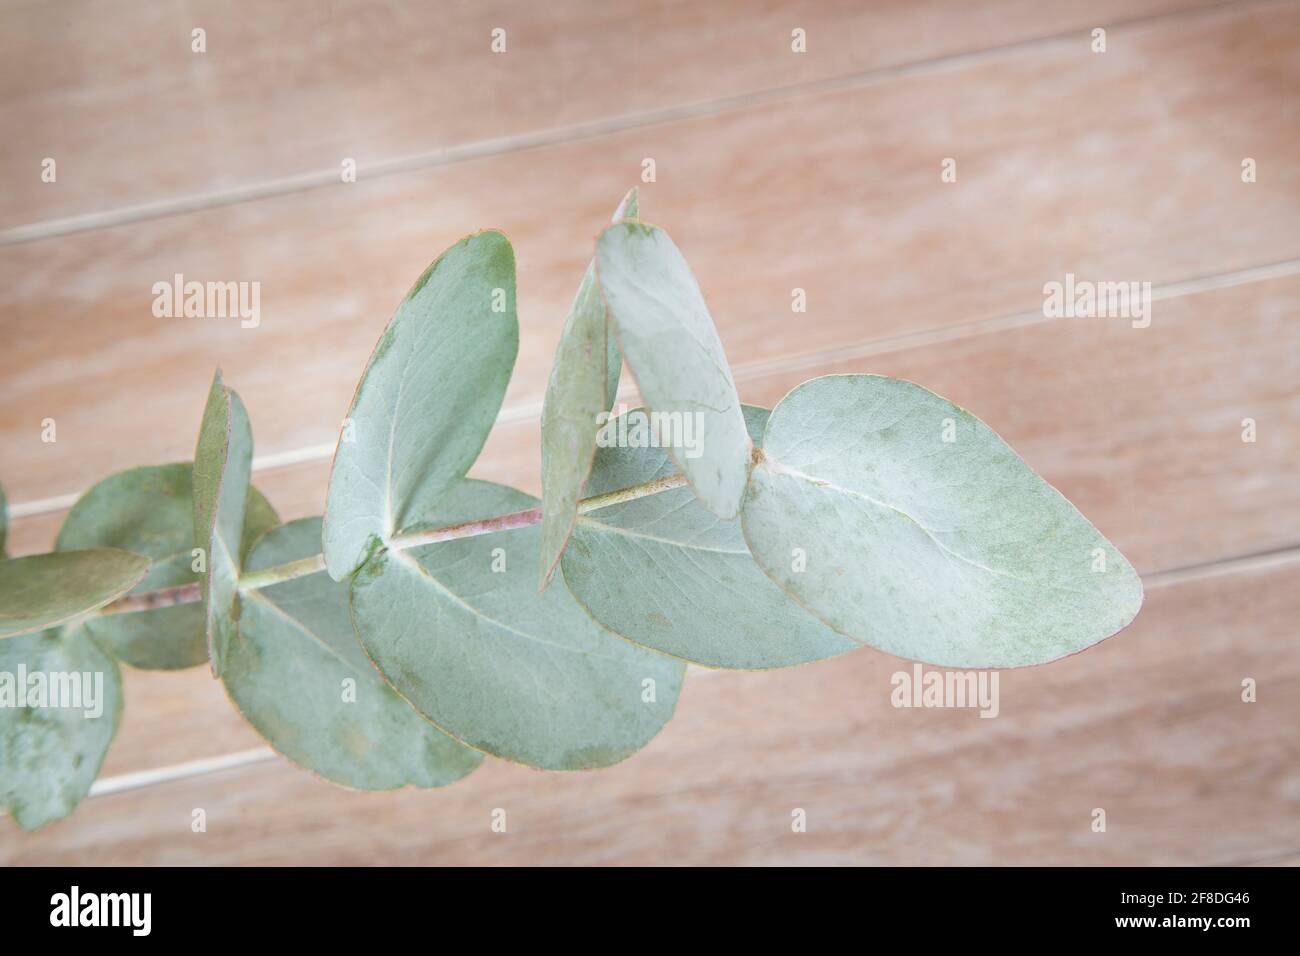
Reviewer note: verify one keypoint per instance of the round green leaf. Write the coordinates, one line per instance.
(298, 674)
(583, 383)
(922, 533)
(50, 755)
(222, 464)
(427, 400)
(42, 590)
(666, 573)
(673, 350)
(459, 629)
(149, 510)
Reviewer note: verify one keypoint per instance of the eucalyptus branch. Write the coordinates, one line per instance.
(256, 580)
(875, 513)
(152, 600)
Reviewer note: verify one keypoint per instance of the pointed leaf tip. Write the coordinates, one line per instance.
(672, 347)
(583, 383)
(222, 466)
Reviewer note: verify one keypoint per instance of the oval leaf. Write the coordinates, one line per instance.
(925, 535)
(629, 208)
(427, 399)
(42, 590)
(666, 573)
(584, 382)
(298, 674)
(673, 350)
(459, 629)
(222, 463)
(50, 752)
(149, 510)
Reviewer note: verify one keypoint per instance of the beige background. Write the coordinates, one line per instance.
(775, 170)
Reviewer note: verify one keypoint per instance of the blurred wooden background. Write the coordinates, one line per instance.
(774, 170)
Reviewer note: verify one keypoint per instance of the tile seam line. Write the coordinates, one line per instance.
(530, 409)
(579, 132)
(171, 773)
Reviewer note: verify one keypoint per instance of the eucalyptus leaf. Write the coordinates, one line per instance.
(222, 464)
(583, 383)
(4, 520)
(666, 573)
(149, 510)
(920, 532)
(666, 333)
(459, 629)
(427, 399)
(299, 676)
(629, 208)
(42, 590)
(50, 755)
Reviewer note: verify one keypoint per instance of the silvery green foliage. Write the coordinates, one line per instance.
(698, 594)
(222, 464)
(298, 675)
(675, 355)
(426, 401)
(149, 511)
(461, 631)
(43, 590)
(584, 383)
(49, 756)
(404, 637)
(924, 534)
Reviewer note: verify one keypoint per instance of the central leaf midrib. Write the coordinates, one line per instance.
(615, 529)
(220, 539)
(778, 468)
(390, 521)
(265, 601)
(427, 575)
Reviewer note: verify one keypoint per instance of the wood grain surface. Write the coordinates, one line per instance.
(861, 222)
(775, 171)
(136, 120)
